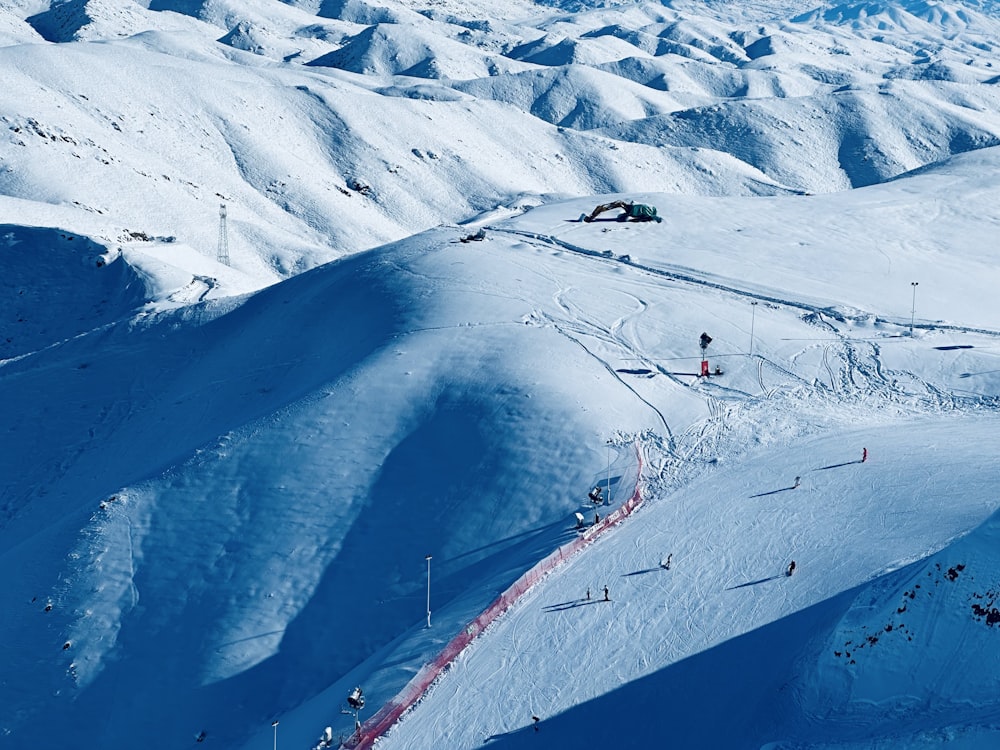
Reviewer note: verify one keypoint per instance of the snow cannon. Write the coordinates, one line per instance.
(704, 341)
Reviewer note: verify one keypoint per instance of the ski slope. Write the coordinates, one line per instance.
(860, 533)
(724, 650)
(825, 382)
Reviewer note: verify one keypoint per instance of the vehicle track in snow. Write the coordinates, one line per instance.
(858, 376)
(687, 276)
(577, 326)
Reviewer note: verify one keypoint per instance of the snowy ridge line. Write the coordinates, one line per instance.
(414, 690)
(705, 283)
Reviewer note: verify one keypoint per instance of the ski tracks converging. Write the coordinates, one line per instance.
(578, 327)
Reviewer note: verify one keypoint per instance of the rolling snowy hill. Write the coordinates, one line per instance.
(222, 481)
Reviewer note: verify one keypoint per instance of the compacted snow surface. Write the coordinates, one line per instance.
(222, 481)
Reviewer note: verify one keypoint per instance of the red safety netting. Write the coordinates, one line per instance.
(386, 716)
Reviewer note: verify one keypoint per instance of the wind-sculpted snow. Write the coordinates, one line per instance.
(573, 96)
(911, 16)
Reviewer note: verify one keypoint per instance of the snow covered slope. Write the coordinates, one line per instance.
(222, 481)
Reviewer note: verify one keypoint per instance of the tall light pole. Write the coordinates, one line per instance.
(428, 590)
(275, 725)
(608, 501)
(753, 316)
(913, 306)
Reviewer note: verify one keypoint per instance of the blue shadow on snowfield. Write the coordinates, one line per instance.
(736, 696)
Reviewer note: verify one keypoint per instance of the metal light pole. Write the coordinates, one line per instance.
(753, 316)
(428, 590)
(608, 501)
(913, 307)
(275, 725)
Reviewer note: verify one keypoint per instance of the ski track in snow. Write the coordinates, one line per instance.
(688, 276)
(841, 379)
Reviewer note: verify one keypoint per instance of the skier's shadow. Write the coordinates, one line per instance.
(643, 572)
(511, 733)
(569, 605)
(774, 492)
(755, 583)
(837, 466)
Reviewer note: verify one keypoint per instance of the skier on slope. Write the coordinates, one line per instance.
(790, 569)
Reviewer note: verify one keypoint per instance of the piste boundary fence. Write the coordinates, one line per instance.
(414, 690)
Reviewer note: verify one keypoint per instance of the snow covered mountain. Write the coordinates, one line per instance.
(334, 127)
(223, 480)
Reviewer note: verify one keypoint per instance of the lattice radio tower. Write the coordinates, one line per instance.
(223, 256)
